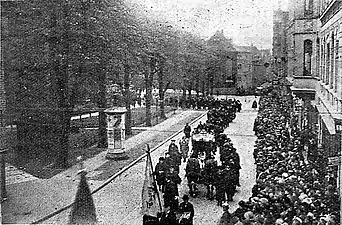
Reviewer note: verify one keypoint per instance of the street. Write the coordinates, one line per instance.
(120, 201)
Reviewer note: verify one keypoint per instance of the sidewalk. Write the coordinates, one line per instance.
(34, 198)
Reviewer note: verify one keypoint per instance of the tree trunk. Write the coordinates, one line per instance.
(148, 96)
(197, 87)
(102, 104)
(189, 90)
(127, 93)
(162, 90)
(61, 73)
(184, 97)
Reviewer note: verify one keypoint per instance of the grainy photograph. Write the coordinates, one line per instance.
(170, 112)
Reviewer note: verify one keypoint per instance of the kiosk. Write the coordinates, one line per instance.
(116, 133)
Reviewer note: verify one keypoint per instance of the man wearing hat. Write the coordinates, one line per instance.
(160, 173)
(175, 154)
(186, 209)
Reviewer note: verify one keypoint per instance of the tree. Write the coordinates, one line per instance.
(67, 42)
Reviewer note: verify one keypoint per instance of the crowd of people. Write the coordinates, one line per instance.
(207, 102)
(224, 177)
(228, 174)
(288, 189)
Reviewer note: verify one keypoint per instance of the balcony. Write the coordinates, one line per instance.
(304, 86)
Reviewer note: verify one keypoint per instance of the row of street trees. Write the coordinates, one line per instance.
(59, 54)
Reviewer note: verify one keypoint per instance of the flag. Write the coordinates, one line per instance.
(150, 197)
(83, 210)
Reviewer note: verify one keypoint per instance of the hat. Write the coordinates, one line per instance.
(185, 197)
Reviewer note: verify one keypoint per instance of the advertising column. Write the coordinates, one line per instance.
(116, 133)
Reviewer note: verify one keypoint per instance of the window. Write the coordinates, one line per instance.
(307, 57)
(308, 7)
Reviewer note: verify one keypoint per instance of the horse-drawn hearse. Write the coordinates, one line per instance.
(203, 142)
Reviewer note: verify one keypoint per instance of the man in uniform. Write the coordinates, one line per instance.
(193, 171)
(160, 173)
(171, 194)
(236, 165)
(184, 146)
(175, 155)
(169, 162)
(186, 209)
(230, 186)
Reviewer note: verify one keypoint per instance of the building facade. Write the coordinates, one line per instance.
(2, 83)
(329, 82)
(252, 71)
(223, 69)
(314, 68)
(279, 45)
(302, 59)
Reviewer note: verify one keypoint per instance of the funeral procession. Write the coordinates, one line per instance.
(171, 112)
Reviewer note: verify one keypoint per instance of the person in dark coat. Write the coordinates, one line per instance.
(171, 194)
(226, 216)
(237, 167)
(184, 146)
(169, 162)
(160, 173)
(175, 155)
(187, 130)
(229, 178)
(193, 173)
(219, 185)
(168, 218)
(173, 147)
(186, 209)
(150, 220)
(173, 176)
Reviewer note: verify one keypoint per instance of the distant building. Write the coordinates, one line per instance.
(223, 69)
(251, 68)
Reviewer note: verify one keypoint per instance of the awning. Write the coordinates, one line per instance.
(329, 123)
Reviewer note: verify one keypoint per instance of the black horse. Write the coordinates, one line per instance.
(201, 171)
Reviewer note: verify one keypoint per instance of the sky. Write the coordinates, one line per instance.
(247, 22)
